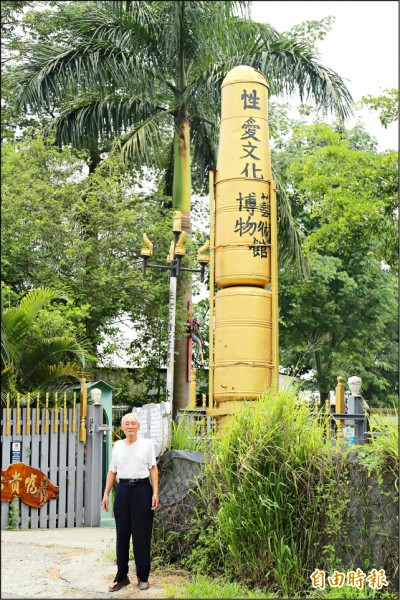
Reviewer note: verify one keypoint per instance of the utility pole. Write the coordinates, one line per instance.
(175, 268)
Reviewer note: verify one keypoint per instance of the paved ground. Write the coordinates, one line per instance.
(69, 563)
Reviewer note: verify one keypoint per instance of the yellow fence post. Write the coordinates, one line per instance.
(46, 414)
(65, 413)
(340, 405)
(18, 423)
(82, 435)
(37, 426)
(8, 416)
(28, 415)
(73, 428)
(192, 401)
(55, 426)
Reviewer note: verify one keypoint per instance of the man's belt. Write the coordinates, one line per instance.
(133, 480)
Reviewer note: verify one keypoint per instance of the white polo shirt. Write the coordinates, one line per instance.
(133, 461)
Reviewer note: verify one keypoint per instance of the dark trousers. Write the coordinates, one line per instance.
(133, 517)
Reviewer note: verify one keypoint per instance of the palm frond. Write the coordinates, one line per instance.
(145, 142)
(91, 67)
(48, 374)
(289, 234)
(118, 22)
(291, 66)
(36, 299)
(94, 116)
(204, 144)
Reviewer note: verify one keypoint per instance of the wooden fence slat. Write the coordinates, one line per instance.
(16, 434)
(53, 473)
(5, 461)
(71, 473)
(35, 463)
(80, 471)
(60, 456)
(25, 458)
(44, 467)
(62, 474)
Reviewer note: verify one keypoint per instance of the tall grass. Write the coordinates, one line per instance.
(266, 486)
(384, 445)
(186, 434)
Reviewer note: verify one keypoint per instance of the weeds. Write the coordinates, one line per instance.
(269, 475)
(274, 503)
(186, 434)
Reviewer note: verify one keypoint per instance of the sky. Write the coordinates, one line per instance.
(362, 47)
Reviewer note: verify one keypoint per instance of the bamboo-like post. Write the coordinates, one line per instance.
(82, 435)
(18, 422)
(8, 416)
(55, 425)
(340, 405)
(46, 414)
(212, 299)
(316, 405)
(37, 425)
(274, 289)
(328, 420)
(28, 414)
(64, 428)
(73, 428)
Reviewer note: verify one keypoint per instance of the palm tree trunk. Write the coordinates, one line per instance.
(181, 198)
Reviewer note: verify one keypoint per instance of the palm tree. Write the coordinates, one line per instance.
(30, 361)
(146, 77)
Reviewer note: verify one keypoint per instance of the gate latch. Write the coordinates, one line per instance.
(102, 428)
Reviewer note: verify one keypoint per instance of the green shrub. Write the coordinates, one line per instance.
(267, 488)
(186, 434)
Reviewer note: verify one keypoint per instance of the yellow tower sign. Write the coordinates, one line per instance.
(244, 357)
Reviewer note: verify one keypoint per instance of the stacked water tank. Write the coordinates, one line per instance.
(243, 353)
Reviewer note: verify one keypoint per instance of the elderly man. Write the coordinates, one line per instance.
(135, 500)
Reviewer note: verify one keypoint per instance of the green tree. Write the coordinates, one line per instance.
(46, 198)
(149, 74)
(31, 361)
(386, 104)
(342, 319)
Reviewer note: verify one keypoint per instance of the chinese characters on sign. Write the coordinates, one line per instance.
(255, 220)
(375, 580)
(29, 484)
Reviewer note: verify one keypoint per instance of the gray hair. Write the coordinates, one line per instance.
(133, 415)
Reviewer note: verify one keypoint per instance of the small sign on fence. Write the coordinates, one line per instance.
(27, 483)
(16, 453)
